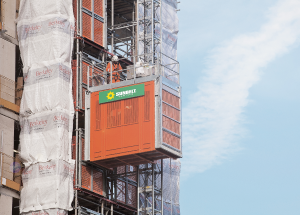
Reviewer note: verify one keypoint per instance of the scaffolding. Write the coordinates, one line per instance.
(133, 31)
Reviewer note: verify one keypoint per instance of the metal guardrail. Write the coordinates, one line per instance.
(137, 70)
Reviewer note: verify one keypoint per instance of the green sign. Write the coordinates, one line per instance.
(121, 93)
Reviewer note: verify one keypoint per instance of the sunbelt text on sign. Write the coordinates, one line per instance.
(121, 93)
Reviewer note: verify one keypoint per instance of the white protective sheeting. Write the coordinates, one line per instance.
(46, 33)
(47, 86)
(47, 185)
(169, 16)
(46, 38)
(46, 136)
(30, 9)
(47, 212)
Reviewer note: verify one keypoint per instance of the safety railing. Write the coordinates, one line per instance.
(168, 68)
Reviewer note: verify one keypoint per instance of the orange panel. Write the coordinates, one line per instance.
(98, 32)
(86, 26)
(171, 140)
(123, 127)
(87, 4)
(98, 7)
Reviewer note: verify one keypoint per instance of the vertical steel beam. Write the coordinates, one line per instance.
(162, 186)
(112, 26)
(79, 33)
(153, 188)
(138, 190)
(93, 18)
(152, 31)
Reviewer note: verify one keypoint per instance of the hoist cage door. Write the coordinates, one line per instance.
(135, 122)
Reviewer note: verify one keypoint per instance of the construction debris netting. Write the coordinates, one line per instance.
(171, 186)
(46, 33)
(170, 29)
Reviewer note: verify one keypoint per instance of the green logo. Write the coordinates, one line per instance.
(121, 93)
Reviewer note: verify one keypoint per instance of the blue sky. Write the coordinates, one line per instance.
(241, 82)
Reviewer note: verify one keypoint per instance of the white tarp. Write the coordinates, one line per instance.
(47, 185)
(46, 39)
(47, 86)
(30, 9)
(47, 212)
(46, 34)
(46, 136)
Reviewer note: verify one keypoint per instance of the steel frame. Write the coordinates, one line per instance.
(150, 192)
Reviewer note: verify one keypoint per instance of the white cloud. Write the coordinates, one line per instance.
(213, 116)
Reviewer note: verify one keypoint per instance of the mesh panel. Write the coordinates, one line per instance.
(171, 125)
(87, 4)
(171, 99)
(86, 177)
(98, 7)
(121, 191)
(85, 72)
(86, 25)
(97, 182)
(166, 180)
(171, 140)
(175, 167)
(98, 32)
(121, 169)
(132, 192)
(171, 112)
(132, 169)
(167, 209)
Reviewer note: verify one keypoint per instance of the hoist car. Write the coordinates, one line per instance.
(133, 122)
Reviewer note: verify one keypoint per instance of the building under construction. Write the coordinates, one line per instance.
(90, 107)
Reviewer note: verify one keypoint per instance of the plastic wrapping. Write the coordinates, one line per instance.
(47, 185)
(170, 19)
(30, 9)
(47, 212)
(46, 136)
(45, 39)
(46, 33)
(43, 88)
